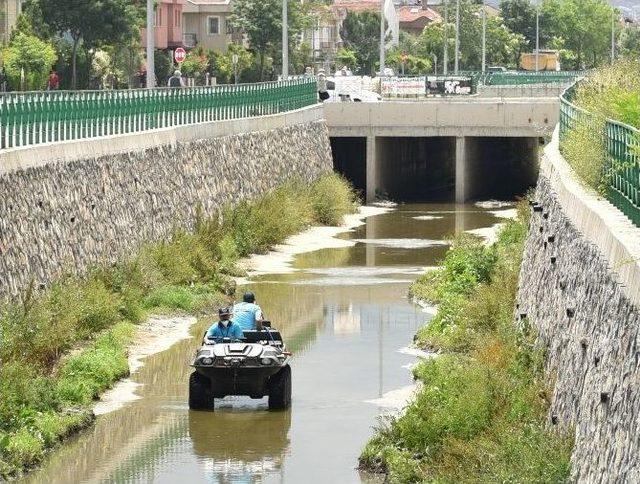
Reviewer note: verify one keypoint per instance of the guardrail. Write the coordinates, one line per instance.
(31, 118)
(518, 78)
(622, 145)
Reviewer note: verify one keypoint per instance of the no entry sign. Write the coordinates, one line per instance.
(180, 55)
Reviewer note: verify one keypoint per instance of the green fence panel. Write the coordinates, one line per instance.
(622, 143)
(40, 117)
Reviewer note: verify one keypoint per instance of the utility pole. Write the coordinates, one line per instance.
(538, 36)
(285, 41)
(457, 59)
(151, 71)
(445, 58)
(613, 35)
(484, 38)
(382, 32)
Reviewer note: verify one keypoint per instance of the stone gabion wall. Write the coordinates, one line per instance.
(589, 328)
(63, 217)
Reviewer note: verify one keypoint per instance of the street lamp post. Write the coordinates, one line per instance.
(484, 38)
(234, 59)
(456, 64)
(613, 35)
(285, 41)
(151, 71)
(382, 31)
(445, 57)
(538, 36)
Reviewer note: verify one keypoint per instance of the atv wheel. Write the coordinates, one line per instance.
(280, 389)
(200, 397)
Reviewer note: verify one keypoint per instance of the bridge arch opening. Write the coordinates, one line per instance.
(437, 168)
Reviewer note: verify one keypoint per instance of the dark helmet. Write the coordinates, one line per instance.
(249, 297)
(224, 312)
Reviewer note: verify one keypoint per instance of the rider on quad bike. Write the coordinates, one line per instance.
(254, 363)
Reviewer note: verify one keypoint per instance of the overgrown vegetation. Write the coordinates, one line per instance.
(609, 93)
(480, 414)
(45, 393)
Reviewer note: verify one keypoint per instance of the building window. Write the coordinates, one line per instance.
(158, 17)
(213, 25)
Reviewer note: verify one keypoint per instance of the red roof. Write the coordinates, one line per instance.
(411, 14)
(357, 5)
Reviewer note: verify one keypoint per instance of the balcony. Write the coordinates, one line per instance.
(189, 40)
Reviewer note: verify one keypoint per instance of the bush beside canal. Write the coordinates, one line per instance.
(480, 413)
(611, 92)
(59, 349)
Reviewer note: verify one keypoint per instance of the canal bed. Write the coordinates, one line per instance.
(345, 315)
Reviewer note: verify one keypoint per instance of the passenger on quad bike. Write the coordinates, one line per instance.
(253, 363)
(225, 328)
(247, 313)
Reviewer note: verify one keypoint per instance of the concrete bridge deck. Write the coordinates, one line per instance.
(503, 117)
(476, 145)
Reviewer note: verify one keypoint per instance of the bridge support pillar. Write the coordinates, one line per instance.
(461, 169)
(372, 169)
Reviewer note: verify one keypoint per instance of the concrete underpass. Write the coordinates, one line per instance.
(437, 168)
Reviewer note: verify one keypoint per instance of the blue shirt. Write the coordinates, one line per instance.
(218, 331)
(245, 314)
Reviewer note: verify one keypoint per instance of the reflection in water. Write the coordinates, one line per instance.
(239, 446)
(343, 313)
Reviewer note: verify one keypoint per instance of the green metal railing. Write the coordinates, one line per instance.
(518, 78)
(622, 145)
(31, 118)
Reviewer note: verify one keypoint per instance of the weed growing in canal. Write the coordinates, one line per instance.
(45, 392)
(480, 414)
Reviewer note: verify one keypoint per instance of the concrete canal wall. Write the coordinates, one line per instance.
(66, 206)
(580, 289)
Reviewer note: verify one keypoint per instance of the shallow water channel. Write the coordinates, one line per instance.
(345, 315)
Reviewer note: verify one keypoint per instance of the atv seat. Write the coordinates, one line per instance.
(255, 336)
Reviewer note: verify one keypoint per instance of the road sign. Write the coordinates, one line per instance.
(180, 55)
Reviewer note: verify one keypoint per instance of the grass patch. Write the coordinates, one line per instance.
(45, 393)
(611, 92)
(480, 415)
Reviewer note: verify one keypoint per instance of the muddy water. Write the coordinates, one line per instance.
(344, 314)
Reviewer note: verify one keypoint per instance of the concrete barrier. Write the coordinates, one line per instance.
(37, 155)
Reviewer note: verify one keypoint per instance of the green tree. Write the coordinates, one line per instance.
(262, 23)
(361, 33)
(503, 45)
(630, 43)
(91, 22)
(196, 63)
(34, 57)
(224, 63)
(163, 66)
(347, 57)
(520, 17)
(584, 26)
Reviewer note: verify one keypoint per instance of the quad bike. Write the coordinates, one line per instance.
(256, 366)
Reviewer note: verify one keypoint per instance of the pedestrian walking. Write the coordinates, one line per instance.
(176, 80)
(322, 86)
(53, 83)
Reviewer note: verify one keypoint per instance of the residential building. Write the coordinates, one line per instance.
(167, 25)
(324, 37)
(9, 11)
(413, 20)
(206, 24)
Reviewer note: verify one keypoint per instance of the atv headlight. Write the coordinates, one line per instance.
(207, 361)
(266, 361)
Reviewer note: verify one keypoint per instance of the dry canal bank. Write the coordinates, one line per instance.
(344, 313)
